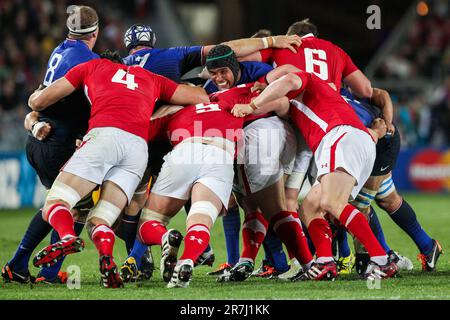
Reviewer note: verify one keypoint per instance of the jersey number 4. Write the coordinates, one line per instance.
(126, 78)
(321, 62)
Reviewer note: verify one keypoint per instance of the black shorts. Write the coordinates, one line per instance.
(157, 150)
(47, 158)
(387, 153)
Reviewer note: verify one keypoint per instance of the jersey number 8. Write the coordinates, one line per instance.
(54, 62)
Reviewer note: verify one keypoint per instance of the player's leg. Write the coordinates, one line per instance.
(100, 228)
(205, 209)
(404, 216)
(64, 194)
(46, 159)
(53, 274)
(284, 223)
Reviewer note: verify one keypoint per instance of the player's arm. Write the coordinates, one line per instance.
(248, 46)
(41, 99)
(39, 129)
(378, 129)
(165, 110)
(277, 89)
(382, 99)
(189, 95)
(359, 84)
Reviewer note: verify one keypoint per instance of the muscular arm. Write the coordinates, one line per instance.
(382, 99)
(359, 84)
(188, 95)
(59, 89)
(250, 46)
(277, 89)
(280, 71)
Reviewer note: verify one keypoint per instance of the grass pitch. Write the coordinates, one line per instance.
(433, 212)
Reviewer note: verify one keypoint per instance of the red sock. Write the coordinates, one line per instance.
(357, 224)
(290, 253)
(195, 242)
(103, 238)
(60, 218)
(253, 233)
(320, 233)
(289, 229)
(151, 232)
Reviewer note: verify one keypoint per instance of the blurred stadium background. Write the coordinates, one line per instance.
(409, 56)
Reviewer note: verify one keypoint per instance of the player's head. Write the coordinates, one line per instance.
(223, 66)
(302, 27)
(261, 33)
(139, 35)
(114, 56)
(82, 23)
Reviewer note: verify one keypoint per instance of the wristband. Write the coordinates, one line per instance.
(265, 43)
(35, 127)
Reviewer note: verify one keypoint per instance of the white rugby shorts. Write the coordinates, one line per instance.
(270, 148)
(348, 148)
(192, 162)
(110, 154)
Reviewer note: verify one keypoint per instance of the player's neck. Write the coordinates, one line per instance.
(134, 50)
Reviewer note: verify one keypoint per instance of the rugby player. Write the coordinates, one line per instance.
(111, 154)
(173, 63)
(52, 141)
(331, 129)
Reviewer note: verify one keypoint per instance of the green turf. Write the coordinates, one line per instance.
(433, 212)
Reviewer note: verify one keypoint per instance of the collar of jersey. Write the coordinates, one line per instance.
(308, 35)
(73, 41)
(142, 49)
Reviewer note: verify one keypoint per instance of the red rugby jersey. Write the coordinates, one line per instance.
(318, 108)
(121, 96)
(321, 57)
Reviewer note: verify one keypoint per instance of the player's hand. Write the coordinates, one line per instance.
(78, 143)
(380, 127)
(41, 130)
(390, 128)
(258, 87)
(241, 110)
(289, 42)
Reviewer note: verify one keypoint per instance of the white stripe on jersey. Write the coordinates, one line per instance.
(310, 114)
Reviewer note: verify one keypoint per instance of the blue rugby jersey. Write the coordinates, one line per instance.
(69, 116)
(366, 112)
(171, 63)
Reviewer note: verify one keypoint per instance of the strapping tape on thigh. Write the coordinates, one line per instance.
(205, 208)
(61, 191)
(148, 215)
(106, 211)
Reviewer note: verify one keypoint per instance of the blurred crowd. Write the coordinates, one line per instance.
(31, 29)
(423, 116)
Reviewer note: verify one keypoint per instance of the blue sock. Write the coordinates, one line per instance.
(36, 232)
(231, 228)
(405, 218)
(138, 252)
(273, 248)
(308, 238)
(377, 230)
(51, 273)
(341, 237)
(128, 229)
